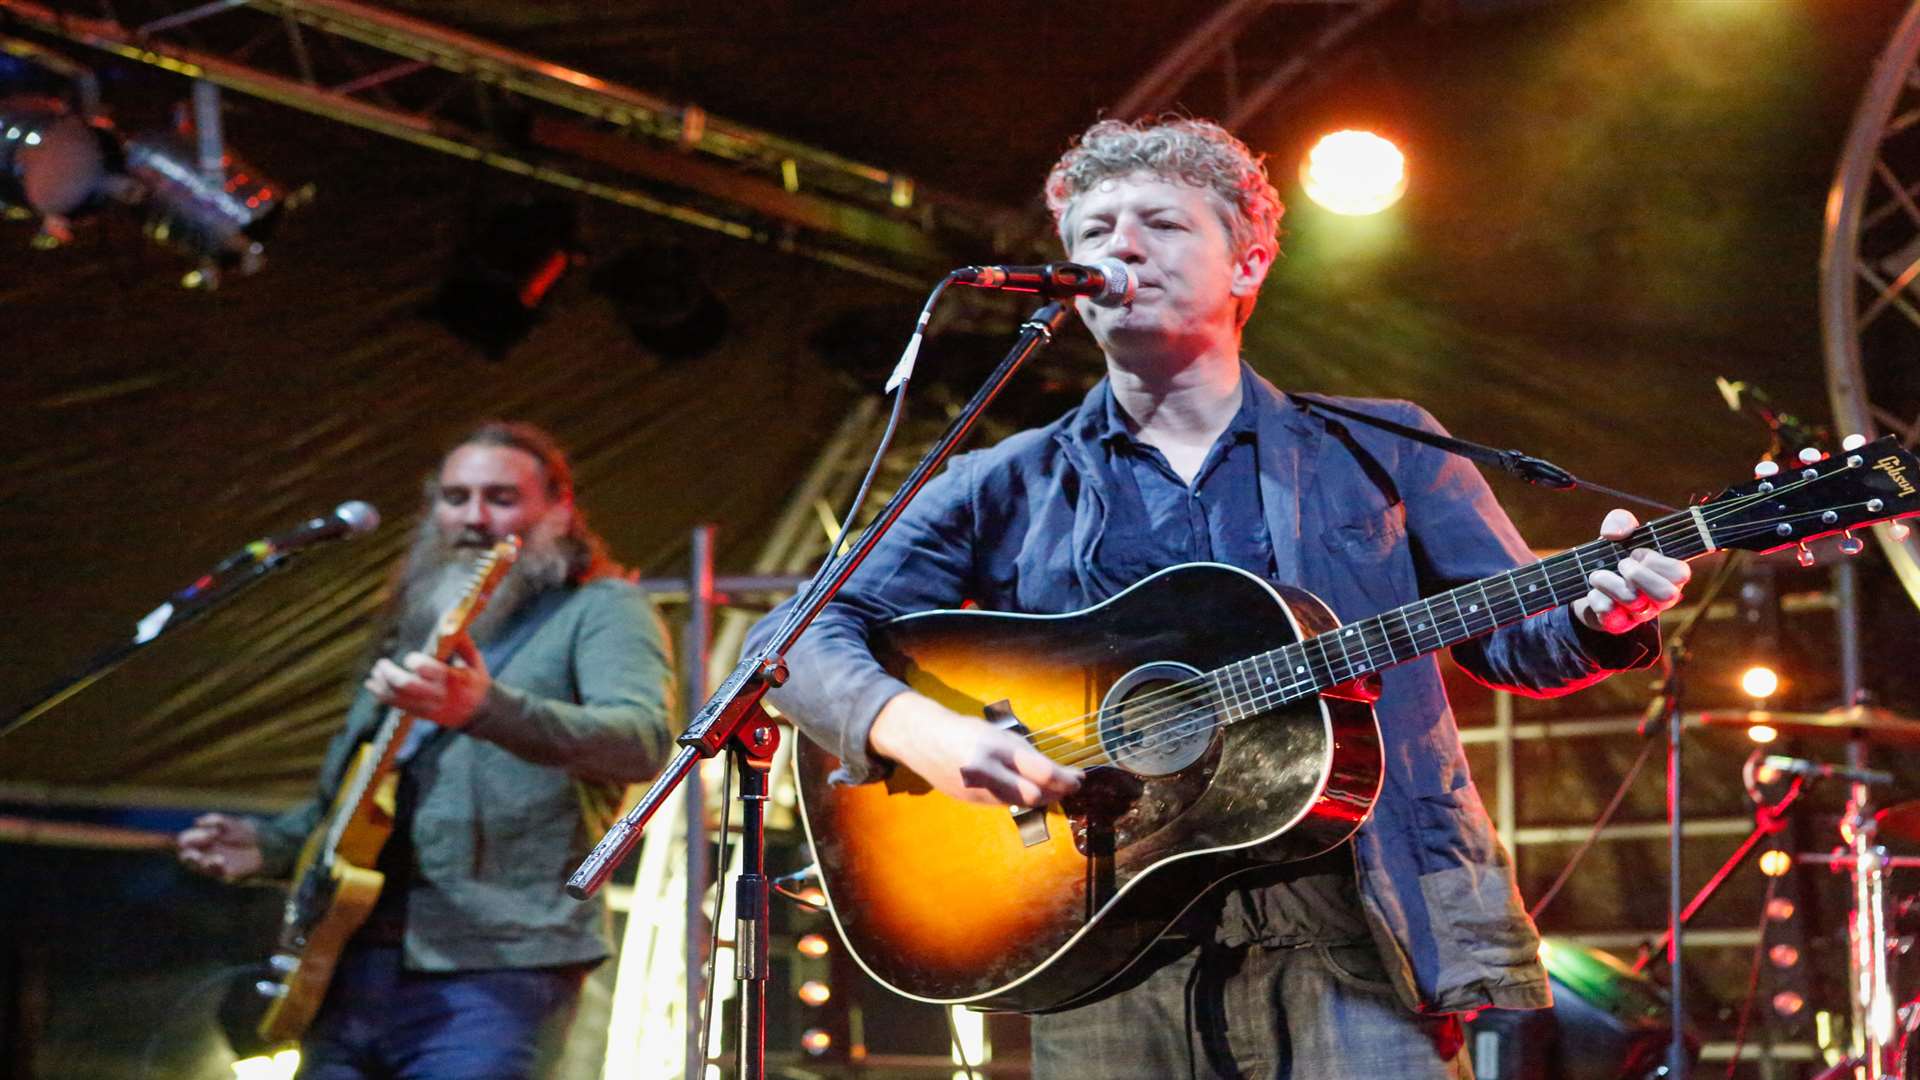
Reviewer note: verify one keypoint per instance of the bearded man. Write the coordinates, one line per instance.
(471, 962)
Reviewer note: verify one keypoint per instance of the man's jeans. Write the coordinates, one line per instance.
(1308, 1013)
(382, 1021)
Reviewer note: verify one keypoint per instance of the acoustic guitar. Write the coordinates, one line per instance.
(334, 882)
(1224, 724)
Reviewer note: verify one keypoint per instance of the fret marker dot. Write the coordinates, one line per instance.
(1300, 670)
(1473, 607)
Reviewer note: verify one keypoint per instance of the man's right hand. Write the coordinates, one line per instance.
(965, 757)
(221, 846)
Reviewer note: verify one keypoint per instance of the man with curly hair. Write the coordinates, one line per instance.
(1355, 963)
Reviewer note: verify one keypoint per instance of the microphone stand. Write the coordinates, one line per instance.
(1665, 711)
(734, 720)
(233, 576)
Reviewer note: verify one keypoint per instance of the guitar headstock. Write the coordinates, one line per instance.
(487, 574)
(1816, 496)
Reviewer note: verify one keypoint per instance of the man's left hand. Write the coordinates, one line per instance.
(423, 686)
(1643, 585)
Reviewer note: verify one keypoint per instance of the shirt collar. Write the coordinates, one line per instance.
(1111, 427)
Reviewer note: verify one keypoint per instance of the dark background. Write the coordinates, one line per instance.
(1611, 203)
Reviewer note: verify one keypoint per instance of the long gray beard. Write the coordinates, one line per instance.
(437, 574)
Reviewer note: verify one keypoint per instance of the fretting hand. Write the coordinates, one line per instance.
(1638, 589)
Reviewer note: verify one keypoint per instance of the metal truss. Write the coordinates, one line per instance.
(1228, 67)
(460, 95)
(1869, 266)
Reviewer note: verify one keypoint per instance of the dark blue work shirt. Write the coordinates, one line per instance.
(1161, 520)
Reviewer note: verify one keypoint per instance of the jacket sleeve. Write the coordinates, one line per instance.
(1461, 535)
(616, 726)
(834, 687)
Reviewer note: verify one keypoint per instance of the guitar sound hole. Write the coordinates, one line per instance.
(1153, 725)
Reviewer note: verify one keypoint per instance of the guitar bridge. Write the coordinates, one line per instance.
(1030, 820)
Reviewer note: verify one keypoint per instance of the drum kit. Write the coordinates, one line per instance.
(1880, 1025)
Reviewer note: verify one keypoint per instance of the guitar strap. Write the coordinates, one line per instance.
(1525, 466)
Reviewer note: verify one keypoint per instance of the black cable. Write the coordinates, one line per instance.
(1606, 818)
(218, 976)
(1753, 980)
(837, 550)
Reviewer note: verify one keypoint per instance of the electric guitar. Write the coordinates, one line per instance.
(1223, 725)
(335, 883)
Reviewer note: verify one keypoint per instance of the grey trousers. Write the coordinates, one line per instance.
(1307, 1013)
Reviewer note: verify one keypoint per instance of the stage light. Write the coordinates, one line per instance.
(1775, 863)
(53, 161)
(816, 1041)
(1759, 682)
(224, 219)
(813, 945)
(1788, 1003)
(1354, 173)
(814, 897)
(814, 992)
(1784, 956)
(503, 272)
(1762, 733)
(1780, 908)
(664, 299)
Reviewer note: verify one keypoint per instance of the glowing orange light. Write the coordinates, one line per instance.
(1775, 863)
(814, 945)
(1354, 173)
(814, 896)
(1762, 733)
(1759, 681)
(815, 1041)
(1783, 956)
(1780, 908)
(1788, 1003)
(815, 992)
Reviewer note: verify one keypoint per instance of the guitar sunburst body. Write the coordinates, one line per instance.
(959, 903)
(335, 885)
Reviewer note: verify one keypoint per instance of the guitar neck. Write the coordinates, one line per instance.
(1356, 650)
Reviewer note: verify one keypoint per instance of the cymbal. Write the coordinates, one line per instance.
(1865, 721)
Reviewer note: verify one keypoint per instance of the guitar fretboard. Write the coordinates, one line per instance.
(1353, 651)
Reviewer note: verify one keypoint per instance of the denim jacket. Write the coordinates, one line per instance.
(1365, 520)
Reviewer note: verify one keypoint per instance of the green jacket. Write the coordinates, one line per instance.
(509, 805)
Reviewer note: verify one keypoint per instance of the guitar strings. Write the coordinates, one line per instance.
(1191, 702)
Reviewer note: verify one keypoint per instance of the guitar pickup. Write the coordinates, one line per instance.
(1030, 820)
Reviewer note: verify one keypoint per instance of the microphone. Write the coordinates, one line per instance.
(1107, 283)
(1778, 765)
(351, 518)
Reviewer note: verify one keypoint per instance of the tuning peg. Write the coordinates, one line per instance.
(1853, 442)
(1765, 468)
(1804, 555)
(1897, 530)
(1851, 544)
(1810, 455)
